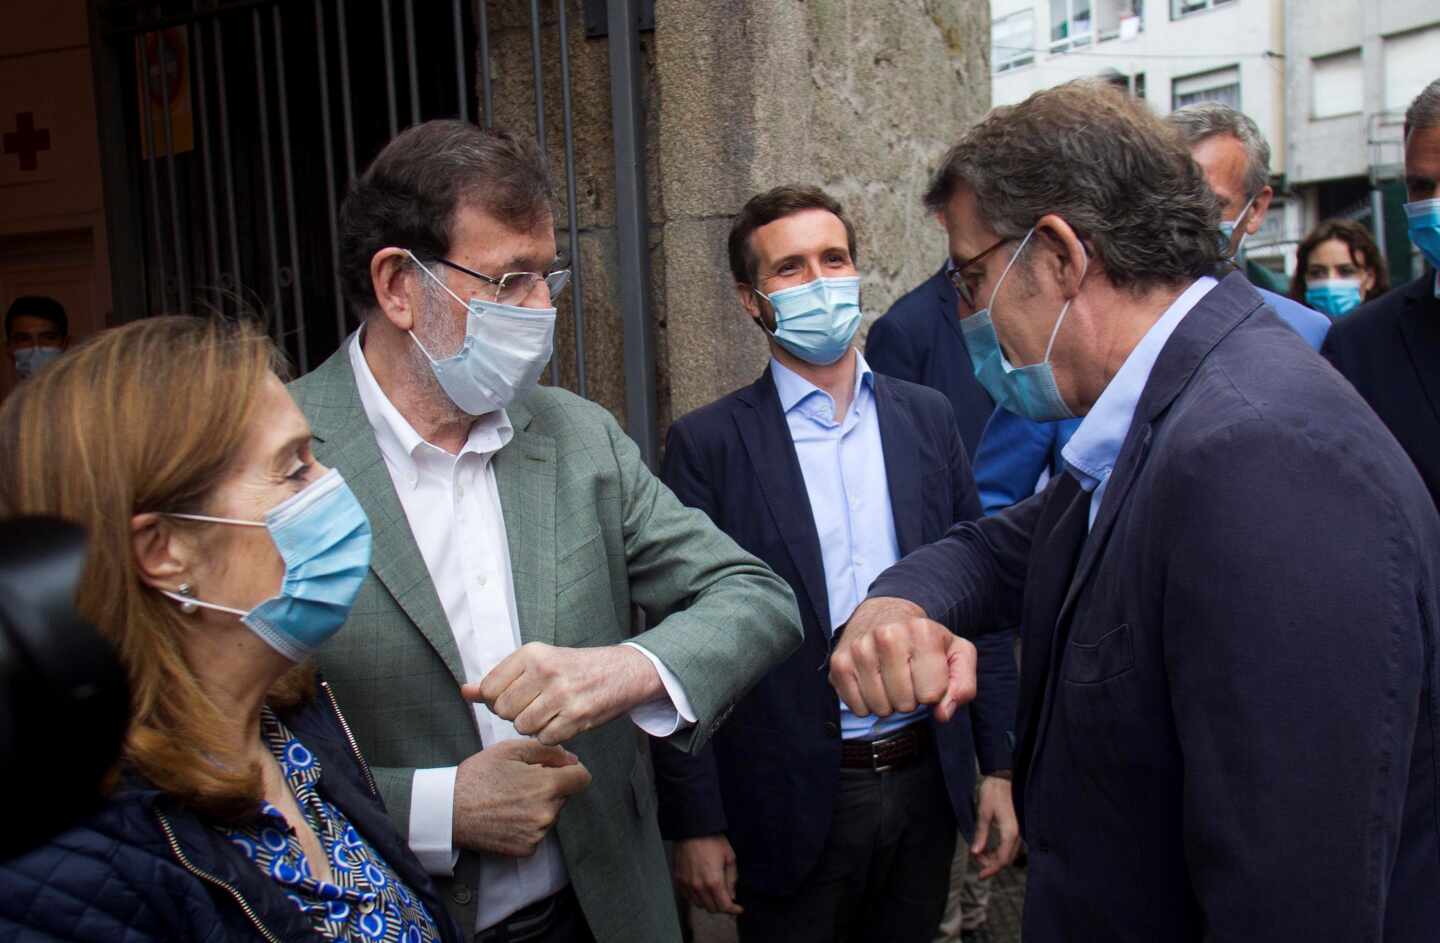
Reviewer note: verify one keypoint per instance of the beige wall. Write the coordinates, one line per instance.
(858, 96)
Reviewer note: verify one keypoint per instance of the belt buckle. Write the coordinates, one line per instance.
(875, 764)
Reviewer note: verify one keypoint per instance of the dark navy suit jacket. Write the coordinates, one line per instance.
(919, 340)
(1228, 702)
(1390, 350)
(768, 778)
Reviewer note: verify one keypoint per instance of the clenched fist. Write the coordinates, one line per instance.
(891, 659)
(508, 796)
(552, 693)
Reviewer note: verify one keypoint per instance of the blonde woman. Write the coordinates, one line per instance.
(222, 554)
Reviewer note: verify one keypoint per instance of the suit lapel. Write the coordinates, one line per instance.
(772, 455)
(1420, 331)
(900, 443)
(346, 441)
(525, 473)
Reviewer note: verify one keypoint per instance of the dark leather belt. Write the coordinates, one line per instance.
(895, 751)
(532, 921)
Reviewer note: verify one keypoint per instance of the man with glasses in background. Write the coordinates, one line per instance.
(515, 528)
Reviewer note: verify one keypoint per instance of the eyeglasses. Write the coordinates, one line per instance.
(514, 287)
(957, 277)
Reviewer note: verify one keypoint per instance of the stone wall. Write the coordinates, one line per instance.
(860, 97)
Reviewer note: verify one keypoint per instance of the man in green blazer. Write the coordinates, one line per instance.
(515, 529)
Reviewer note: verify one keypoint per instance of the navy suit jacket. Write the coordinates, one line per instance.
(1390, 350)
(919, 340)
(1228, 697)
(768, 778)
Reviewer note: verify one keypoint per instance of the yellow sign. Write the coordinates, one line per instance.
(163, 76)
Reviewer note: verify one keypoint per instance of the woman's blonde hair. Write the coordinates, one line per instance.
(146, 418)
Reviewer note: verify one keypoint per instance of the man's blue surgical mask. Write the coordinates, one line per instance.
(816, 321)
(505, 351)
(31, 360)
(1424, 217)
(1227, 232)
(1028, 391)
(1336, 296)
(323, 536)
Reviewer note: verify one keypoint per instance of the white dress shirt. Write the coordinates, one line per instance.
(452, 504)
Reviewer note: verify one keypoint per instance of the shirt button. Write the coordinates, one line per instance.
(461, 895)
(480, 579)
(460, 491)
(367, 905)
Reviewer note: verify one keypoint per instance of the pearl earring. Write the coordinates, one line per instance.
(186, 590)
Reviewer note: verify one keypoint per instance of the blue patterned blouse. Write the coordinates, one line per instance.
(366, 902)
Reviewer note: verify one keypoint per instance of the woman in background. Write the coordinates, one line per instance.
(1338, 267)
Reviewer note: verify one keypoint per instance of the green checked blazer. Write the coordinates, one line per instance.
(591, 534)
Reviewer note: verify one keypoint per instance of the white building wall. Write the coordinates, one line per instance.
(1332, 147)
(1243, 34)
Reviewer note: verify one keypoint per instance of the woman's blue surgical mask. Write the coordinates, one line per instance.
(1028, 391)
(1424, 218)
(816, 321)
(1336, 296)
(505, 351)
(323, 536)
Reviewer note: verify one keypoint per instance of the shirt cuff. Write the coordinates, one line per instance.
(432, 808)
(663, 716)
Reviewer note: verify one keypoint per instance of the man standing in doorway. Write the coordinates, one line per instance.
(37, 331)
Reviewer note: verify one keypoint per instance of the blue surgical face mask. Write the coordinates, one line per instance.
(323, 536)
(817, 320)
(1227, 232)
(1424, 217)
(31, 360)
(1336, 297)
(1028, 391)
(505, 351)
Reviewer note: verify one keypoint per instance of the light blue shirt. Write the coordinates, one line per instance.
(843, 464)
(1093, 450)
(1311, 325)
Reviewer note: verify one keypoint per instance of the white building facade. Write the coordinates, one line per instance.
(1170, 52)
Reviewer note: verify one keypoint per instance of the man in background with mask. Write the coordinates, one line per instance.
(807, 821)
(1235, 158)
(515, 527)
(1229, 598)
(37, 331)
(1390, 348)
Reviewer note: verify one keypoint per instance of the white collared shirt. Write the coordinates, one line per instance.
(452, 504)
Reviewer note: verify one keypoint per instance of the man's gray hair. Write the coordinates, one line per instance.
(1207, 119)
(1103, 162)
(1424, 111)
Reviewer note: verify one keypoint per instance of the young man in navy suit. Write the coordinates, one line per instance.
(805, 820)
